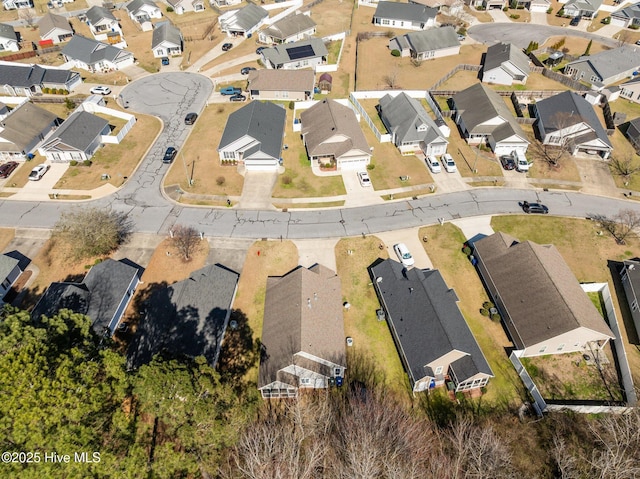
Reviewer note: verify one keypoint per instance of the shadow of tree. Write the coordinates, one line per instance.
(240, 352)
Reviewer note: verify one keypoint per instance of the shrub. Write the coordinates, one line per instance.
(220, 180)
(69, 103)
(286, 180)
(73, 162)
(86, 162)
(260, 63)
(514, 16)
(371, 166)
(606, 20)
(462, 31)
(634, 27)
(549, 11)
(484, 312)
(169, 9)
(60, 91)
(46, 90)
(505, 9)
(488, 305)
(495, 317)
(292, 105)
(390, 33)
(466, 250)
(395, 53)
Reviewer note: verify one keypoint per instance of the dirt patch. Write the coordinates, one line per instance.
(6, 236)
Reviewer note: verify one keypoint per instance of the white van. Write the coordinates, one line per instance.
(522, 164)
(433, 164)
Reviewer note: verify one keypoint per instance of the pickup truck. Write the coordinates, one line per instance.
(230, 91)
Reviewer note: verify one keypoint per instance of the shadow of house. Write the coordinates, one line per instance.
(10, 270)
(628, 275)
(103, 295)
(187, 318)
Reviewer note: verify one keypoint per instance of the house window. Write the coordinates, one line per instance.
(594, 78)
(6, 284)
(337, 371)
(305, 381)
(385, 22)
(634, 305)
(554, 139)
(76, 156)
(229, 155)
(438, 370)
(560, 347)
(542, 349)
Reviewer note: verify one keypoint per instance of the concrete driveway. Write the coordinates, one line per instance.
(321, 251)
(448, 182)
(256, 190)
(40, 190)
(358, 195)
(229, 252)
(412, 240)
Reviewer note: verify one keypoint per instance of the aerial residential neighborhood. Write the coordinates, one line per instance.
(319, 238)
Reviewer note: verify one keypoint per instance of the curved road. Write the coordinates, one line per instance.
(170, 96)
(521, 34)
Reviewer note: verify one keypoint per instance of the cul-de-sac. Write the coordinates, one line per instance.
(309, 239)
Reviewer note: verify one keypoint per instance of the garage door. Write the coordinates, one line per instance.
(353, 164)
(261, 165)
(618, 22)
(539, 8)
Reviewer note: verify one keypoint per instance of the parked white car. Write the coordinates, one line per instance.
(38, 172)
(449, 164)
(433, 164)
(404, 255)
(364, 179)
(100, 90)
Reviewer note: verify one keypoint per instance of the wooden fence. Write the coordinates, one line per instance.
(461, 67)
(203, 35)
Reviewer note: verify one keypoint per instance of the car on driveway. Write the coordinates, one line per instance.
(7, 168)
(259, 50)
(575, 21)
(230, 90)
(364, 179)
(508, 163)
(100, 90)
(165, 61)
(237, 97)
(191, 118)
(246, 70)
(227, 46)
(38, 172)
(404, 255)
(449, 164)
(433, 164)
(534, 208)
(169, 155)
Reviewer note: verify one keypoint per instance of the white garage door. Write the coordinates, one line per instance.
(618, 22)
(261, 165)
(351, 164)
(539, 8)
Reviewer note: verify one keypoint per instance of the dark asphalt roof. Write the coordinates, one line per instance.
(79, 130)
(91, 51)
(166, 32)
(410, 12)
(21, 75)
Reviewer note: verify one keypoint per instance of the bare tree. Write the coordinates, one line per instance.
(619, 454)
(186, 240)
(560, 140)
(624, 37)
(391, 80)
(621, 225)
(624, 166)
(28, 17)
(566, 461)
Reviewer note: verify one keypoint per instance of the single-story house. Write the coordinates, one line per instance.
(183, 6)
(582, 8)
(253, 136)
(631, 89)
(142, 11)
(606, 67)
(450, 7)
(23, 129)
(289, 29)
(243, 22)
(428, 44)
(20, 79)
(333, 138)
(488, 4)
(630, 278)
(95, 56)
(633, 133)
(55, 28)
(408, 16)
(539, 6)
(432, 337)
(505, 64)
(9, 272)
(296, 85)
(77, 138)
(412, 129)
(224, 3)
(539, 299)
(568, 120)
(303, 340)
(166, 40)
(292, 56)
(103, 295)
(626, 17)
(101, 21)
(8, 39)
(17, 4)
(483, 117)
(188, 318)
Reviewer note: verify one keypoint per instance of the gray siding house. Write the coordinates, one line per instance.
(23, 129)
(434, 342)
(408, 16)
(606, 67)
(505, 64)
(540, 300)
(243, 22)
(9, 272)
(77, 139)
(582, 8)
(428, 44)
(293, 56)
(26, 80)
(303, 340)
(289, 29)
(411, 127)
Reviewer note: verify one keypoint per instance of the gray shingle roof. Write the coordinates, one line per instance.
(134, 5)
(279, 54)
(186, 318)
(425, 318)
(566, 109)
(290, 25)
(410, 12)
(478, 104)
(79, 130)
(541, 294)
(325, 120)
(97, 13)
(21, 75)
(24, 125)
(432, 39)
(7, 264)
(506, 52)
(302, 312)
(281, 80)
(264, 122)
(98, 295)
(631, 11)
(247, 17)
(166, 32)
(7, 31)
(49, 22)
(633, 131)
(404, 116)
(609, 63)
(584, 5)
(91, 51)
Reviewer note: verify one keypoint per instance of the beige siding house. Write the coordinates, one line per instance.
(296, 85)
(540, 300)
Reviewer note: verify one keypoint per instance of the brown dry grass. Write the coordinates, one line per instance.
(247, 47)
(119, 161)
(575, 45)
(332, 16)
(370, 336)
(622, 146)
(524, 16)
(467, 158)
(482, 16)
(201, 148)
(20, 177)
(6, 236)
(139, 42)
(171, 267)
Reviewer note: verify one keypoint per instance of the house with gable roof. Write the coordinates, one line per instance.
(626, 17)
(77, 139)
(303, 340)
(8, 39)
(288, 29)
(606, 67)
(55, 28)
(428, 44)
(23, 129)
(243, 22)
(183, 6)
(104, 26)
(166, 40)
(95, 56)
(582, 8)
(19, 79)
(292, 56)
(292, 85)
(10, 271)
(142, 11)
(505, 64)
(412, 129)
(407, 16)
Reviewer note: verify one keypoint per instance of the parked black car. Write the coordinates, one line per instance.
(169, 155)
(259, 50)
(237, 97)
(508, 163)
(190, 119)
(227, 46)
(575, 21)
(534, 208)
(246, 70)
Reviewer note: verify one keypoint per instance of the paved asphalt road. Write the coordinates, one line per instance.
(521, 34)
